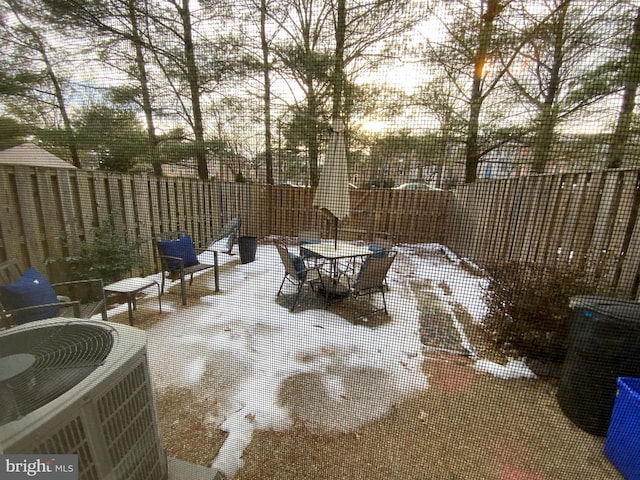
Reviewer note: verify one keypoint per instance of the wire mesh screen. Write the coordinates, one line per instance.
(491, 145)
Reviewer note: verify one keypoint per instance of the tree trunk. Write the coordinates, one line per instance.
(194, 90)
(477, 96)
(144, 87)
(338, 70)
(71, 141)
(632, 77)
(543, 138)
(312, 136)
(53, 77)
(266, 66)
(548, 114)
(313, 148)
(472, 153)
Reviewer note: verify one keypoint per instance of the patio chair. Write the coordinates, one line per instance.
(371, 279)
(28, 296)
(309, 236)
(227, 236)
(297, 273)
(378, 247)
(179, 259)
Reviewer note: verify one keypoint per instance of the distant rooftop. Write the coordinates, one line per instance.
(31, 155)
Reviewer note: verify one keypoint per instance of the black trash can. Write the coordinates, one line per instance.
(247, 247)
(604, 344)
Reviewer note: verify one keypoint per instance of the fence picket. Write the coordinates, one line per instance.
(619, 232)
(594, 224)
(48, 202)
(30, 227)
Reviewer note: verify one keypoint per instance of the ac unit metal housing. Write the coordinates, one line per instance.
(108, 418)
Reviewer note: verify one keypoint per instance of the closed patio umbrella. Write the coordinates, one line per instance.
(332, 194)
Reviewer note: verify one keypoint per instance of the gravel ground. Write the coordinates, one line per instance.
(467, 425)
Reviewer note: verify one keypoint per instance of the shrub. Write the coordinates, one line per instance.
(528, 308)
(109, 256)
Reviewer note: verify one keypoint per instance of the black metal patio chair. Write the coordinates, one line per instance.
(297, 272)
(179, 259)
(371, 279)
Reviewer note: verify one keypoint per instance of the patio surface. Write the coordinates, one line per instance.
(259, 392)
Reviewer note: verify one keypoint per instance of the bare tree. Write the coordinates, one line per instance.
(631, 78)
(325, 43)
(473, 59)
(265, 45)
(110, 24)
(31, 52)
(563, 67)
(195, 56)
(485, 39)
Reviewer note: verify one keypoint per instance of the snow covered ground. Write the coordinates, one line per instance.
(266, 368)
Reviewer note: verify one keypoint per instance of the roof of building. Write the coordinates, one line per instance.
(31, 155)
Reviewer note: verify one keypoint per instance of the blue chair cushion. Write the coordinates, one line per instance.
(31, 289)
(378, 252)
(182, 248)
(301, 268)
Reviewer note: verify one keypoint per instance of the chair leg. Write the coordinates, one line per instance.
(281, 285)
(183, 290)
(295, 301)
(384, 302)
(103, 308)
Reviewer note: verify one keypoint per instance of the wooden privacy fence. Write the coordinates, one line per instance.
(398, 215)
(42, 205)
(586, 220)
(582, 220)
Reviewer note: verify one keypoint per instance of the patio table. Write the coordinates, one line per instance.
(333, 252)
(130, 287)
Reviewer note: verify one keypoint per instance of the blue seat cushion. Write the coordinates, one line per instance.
(301, 268)
(181, 248)
(378, 251)
(31, 289)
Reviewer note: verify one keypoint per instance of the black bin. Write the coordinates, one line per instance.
(604, 344)
(247, 247)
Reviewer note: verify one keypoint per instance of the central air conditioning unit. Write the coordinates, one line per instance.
(81, 387)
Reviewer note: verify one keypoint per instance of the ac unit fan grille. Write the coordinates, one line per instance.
(54, 360)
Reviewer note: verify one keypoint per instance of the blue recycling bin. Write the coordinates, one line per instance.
(623, 437)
